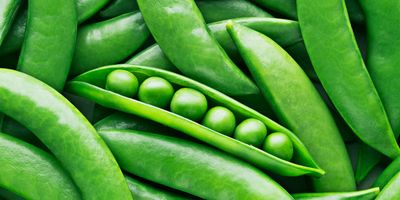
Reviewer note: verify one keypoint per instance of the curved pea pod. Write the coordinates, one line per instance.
(200, 170)
(368, 194)
(119, 7)
(268, 62)
(108, 42)
(87, 8)
(387, 174)
(28, 171)
(90, 85)
(342, 72)
(391, 189)
(283, 7)
(49, 58)
(15, 37)
(217, 10)
(8, 10)
(46, 112)
(186, 41)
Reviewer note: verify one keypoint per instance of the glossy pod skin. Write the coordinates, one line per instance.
(119, 7)
(28, 171)
(368, 194)
(108, 42)
(15, 37)
(217, 10)
(49, 58)
(342, 72)
(66, 132)
(87, 8)
(391, 189)
(200, 170)
(89, 85)
(8, 10)
(387, 174)
(203, 60)
(285, 101)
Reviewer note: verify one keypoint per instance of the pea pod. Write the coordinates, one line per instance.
(173, 31)
(49, 58)
(283, 7)
(87, 8)
(119, 7)
(28, 171)
(8, 10)
(387, 174)
(268, 62)
(89, 85)
(197, 168)
(217, 10)
(341, 70)
(391, 189)
(108, 42)
(368, 194)
(66, 132)
(15, 37)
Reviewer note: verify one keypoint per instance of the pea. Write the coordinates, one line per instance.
(279, 145)
(189, 103)
(156, 91)
(221, 120)
(122, 82)
(251, 131)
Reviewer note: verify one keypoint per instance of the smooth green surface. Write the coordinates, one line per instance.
(122, 82)
(387, 174)
(200, 170)
(341, 70)
(119, 7)
(15, 37)
(87, 8)
(108, 42)
(29, 171)
(220, 119)
(8, 10)
(279, 145)
(217, 10)
(182, 34)
(89, 85)
(283, 7)
(189, 103)
(252, 132)
(368, 194)
(66, 132)
(156, 91)
(391, 190)
(297, 104)
(49, 41)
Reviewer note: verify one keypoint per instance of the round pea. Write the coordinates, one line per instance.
(251, 131)
(122, 82)
(221, 120)
(279, 145)
(156, 91)
(189, 103)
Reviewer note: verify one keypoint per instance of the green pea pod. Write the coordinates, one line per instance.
(15, 37)
(391, 189)
(268, 62)
(119, 7)
(184, 37)
(88, 8)
(141, 190)
(49, 58)
(200, 170)
(368, 194)
(217, 10)
(387, 174)
(89, 85)
(108, 42)
(283, 7)
(66, 132)
(341, 70)
(8, 10)
(28, 171)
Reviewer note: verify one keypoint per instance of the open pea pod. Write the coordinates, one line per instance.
(91, 85)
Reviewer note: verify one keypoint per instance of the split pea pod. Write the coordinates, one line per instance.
(310, 120)
(90, 85)
(49, 58)
(8, 10)
(200, 170)
(368, 194)
(29, 171)
(175, 25)
(342, 72)
(66, 132)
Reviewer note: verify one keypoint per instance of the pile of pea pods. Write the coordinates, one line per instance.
(199, 99)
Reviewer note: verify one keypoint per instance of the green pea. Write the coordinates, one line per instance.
(251, 131)
(189, 103)
(122, 82)
(156, 91)
(279, 145)
(221, 120)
